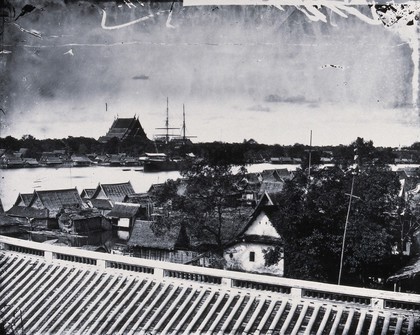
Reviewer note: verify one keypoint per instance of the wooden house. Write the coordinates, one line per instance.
(170, 245)
(11, 161)
(113, 192)
(51, 159)
(273, 180)
(80, 160)
(80, 221)
(123, 215)
(249, 188)
(9, 225)
(246, 251)
(54, 201)
(103, 205)
(146, 204)
(32, 218)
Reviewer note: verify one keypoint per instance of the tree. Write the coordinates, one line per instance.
(311, 219)
(207, 207)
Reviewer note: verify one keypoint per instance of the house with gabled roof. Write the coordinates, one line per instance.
(9, 225)
(170, 245)
(103, 205)
(273, 180)
(50, 159)
(87, 193)
(54, 201)
(11, 161)
(249, 187)
(123, 214)
(81, 220)
(80, 160)
(145, 201)
(246, 252)
(24, 199)
(113, 192)
(30, 217)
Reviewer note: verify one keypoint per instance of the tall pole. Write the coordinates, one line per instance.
(310, 154)
(167, 120)
(183, 124)
(345, 231)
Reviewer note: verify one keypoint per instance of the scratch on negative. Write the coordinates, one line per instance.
(104, 26)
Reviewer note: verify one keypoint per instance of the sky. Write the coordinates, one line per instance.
(68, 68)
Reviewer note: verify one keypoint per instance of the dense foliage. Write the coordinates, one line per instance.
(311, 218)
(205, 202)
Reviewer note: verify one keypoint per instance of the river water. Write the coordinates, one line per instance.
(15, 181)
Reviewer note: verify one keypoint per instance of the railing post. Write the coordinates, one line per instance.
(377, 303)
(227, 282)
(296, 292)
(159, 273)
(101, 264)
(49, 257)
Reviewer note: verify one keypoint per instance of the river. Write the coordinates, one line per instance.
(15, 181)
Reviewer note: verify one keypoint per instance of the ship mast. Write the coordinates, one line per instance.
(166, 136)
(167, 120)
(183, 124)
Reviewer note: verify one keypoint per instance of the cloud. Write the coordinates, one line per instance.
(141, 77)
(297, 99)
(259, 108)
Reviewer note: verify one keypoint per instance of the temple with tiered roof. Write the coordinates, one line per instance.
(123, 128)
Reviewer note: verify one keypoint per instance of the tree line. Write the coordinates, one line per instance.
(220, 152)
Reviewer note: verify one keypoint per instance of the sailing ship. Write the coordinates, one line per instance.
(160, 161)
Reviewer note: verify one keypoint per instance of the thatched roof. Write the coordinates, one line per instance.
(81, 214)
(99, 203)
(6, 220)
(28, 212)
(124, 210)
(410, 271)
(114, 192)
(144, 235)
(138, 198)
(54, 200)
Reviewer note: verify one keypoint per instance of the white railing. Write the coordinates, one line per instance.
(299, 289)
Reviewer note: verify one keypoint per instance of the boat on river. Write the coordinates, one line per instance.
(169, 143)
(156, 162)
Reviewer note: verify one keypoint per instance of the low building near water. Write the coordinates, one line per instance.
(80, 160)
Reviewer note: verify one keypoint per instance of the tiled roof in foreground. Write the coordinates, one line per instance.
(57, 290)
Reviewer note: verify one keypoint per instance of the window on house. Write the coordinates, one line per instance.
(252, 256)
